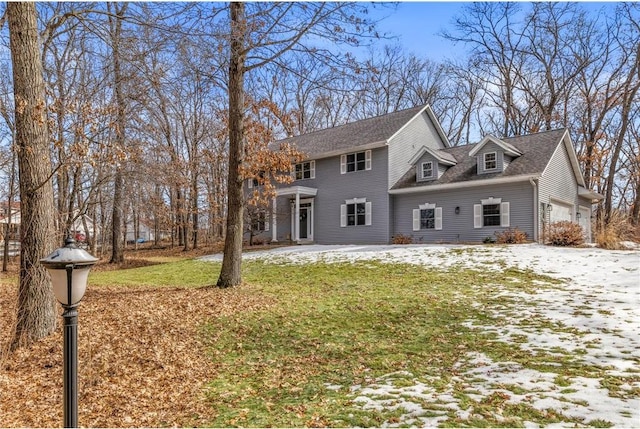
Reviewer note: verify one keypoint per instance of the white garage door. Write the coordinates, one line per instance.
(560, 212)
(585, 222)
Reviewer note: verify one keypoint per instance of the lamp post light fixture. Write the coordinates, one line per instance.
(69, 268)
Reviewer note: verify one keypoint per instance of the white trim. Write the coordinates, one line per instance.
(427, 206)
(432, 152)
(438, 218)
(508, 149)
(465, 184)
(484, 161)
(505, 216)
(312, 169)
(477, 216)
(491, 200)
(367, 213)
(355, 201)
(422, 164)
(367, 160)
(293, 190)
(343, 215)
(416, 219)
(343, 164)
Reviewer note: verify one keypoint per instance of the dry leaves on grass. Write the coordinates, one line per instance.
(141, 363)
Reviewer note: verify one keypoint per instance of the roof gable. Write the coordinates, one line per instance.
(508, 149)
(365, 134)
(441, 156)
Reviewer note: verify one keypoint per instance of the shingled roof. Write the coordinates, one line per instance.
(536, 150)
(366, 133)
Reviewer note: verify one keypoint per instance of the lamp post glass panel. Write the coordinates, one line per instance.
(69, 268)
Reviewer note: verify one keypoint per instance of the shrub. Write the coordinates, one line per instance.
(402, 239)
(565, 233)
(489, 240)
(511, 236)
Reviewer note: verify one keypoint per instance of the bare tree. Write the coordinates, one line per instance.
(36, 304)
(266, 34)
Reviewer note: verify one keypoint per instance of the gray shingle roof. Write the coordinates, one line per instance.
(353, 135)
(536, 150)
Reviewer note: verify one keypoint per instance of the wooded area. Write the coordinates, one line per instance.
(138, 112)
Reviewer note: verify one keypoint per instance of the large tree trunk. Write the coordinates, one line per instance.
(117, 218)
(36, 305)
(230, 274)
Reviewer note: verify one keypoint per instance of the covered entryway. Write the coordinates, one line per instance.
(302, 217)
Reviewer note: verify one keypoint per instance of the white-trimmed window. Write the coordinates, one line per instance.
(491, 212)
(355, 212)
(305, 170)
(490, 160)
(427, 169)
(427, 216)
(357, 161)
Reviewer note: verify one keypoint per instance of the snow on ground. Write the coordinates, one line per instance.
(598, 306)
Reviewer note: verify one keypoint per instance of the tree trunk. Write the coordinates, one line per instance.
(36, 308)
(117, 241)
(230, 274)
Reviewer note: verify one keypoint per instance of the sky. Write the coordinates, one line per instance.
(593, 316)
(417, 25)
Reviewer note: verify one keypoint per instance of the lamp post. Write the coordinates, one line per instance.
(69, 268)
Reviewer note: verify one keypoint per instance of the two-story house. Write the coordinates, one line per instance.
(368, 181)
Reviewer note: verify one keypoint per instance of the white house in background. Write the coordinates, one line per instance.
(14, 220)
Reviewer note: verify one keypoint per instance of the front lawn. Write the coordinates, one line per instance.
(473, 343)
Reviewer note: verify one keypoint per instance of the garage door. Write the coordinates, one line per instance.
(560, 212)
(585, 222)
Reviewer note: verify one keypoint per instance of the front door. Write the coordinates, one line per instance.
(305, 220)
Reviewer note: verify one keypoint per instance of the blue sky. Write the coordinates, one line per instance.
(417, 24)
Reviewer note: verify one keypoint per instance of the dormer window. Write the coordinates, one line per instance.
(427, 170)
(490, 161)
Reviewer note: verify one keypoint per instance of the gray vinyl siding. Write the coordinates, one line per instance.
(459, 227)
(558, 181)
(489, 148)
(419, 132)
(333, 189)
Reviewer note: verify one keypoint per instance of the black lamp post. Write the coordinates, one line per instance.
(69, 268)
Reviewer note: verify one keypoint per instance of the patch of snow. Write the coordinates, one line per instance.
(594, 316)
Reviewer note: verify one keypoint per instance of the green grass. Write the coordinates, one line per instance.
(185, 273)
(334, 326)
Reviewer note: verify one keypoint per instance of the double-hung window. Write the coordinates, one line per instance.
(305, 170)
(357, 161)
(490, 161)
(355, 212)
(492, 212)
(427, 216)
(491, 215)
(427, 169)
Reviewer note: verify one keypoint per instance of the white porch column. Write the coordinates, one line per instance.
(297, 218)
(274, 222)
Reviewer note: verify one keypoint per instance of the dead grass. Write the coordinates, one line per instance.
(141, 363)
(614, 232)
